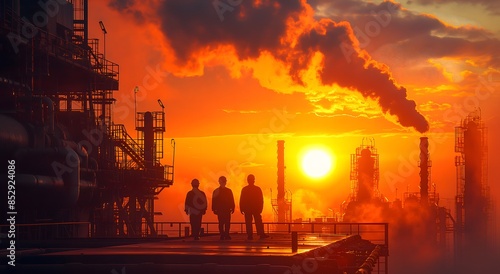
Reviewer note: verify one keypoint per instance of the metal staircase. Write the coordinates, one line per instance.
(129, 146)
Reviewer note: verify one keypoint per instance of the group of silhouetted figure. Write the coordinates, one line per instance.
(251, 205)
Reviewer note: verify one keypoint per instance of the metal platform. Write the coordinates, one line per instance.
(316, 253)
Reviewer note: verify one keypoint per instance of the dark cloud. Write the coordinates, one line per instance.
(437, 47)
(287, 31)
(412, 35)
(121, 4)
(190, 25)
(492, 6)
(127, 6)
(370, 78)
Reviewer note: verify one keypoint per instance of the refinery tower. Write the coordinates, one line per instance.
(74, 165)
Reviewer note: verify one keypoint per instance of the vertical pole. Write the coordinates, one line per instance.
(386, 228)
(104, 54)
(281, 182)
(85, 22)
(295, 242)
(136, 89)
(424, 171)
(104, 97)
(149, 144)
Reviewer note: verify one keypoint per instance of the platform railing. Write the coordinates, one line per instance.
(119, 134)
(59, 230)
(377, 233)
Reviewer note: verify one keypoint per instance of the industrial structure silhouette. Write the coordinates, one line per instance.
(83, 182)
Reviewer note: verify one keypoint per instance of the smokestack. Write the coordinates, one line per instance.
(291, 36)
(476, 212)
(424, 170)
(281, 181)
(366, 175)
(149, 143)
(472, 201)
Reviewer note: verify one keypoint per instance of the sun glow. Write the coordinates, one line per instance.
(317, 163)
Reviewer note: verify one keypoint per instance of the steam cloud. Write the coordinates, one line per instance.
(287, 31)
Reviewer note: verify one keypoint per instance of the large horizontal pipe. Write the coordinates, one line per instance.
(57, 169)
(40, 190)
(43, 191)
(38, 181)
(80, 150)
(13, 134)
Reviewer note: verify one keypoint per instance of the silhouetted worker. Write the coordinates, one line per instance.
(223, 207)
(195, 206)
(251, 204)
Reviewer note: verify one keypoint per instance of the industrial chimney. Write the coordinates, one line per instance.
(365, 172)
(473, 200)
(281, 182)
(424, 171)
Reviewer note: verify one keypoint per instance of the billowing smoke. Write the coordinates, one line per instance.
(286, 32)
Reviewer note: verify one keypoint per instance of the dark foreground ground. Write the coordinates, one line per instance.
(316, 253)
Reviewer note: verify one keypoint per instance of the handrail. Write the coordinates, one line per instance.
(119, 134)
(48, 224)
(80, 55)
(377, 233)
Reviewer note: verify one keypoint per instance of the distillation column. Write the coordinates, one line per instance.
(475, 215)
(472, 190)
(281, 182)
(424, 171)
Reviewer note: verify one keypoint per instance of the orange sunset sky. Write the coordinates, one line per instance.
(236, 76)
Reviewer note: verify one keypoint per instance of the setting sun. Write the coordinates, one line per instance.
(316, 163)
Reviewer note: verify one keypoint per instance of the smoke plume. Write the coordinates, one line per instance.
(247, 34)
